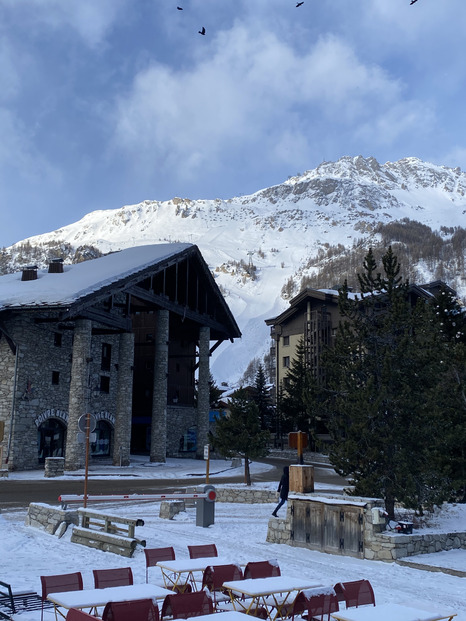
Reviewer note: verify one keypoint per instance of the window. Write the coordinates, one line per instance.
(286, 361)
(106, 357)
(104, 384)
(286, 341)
(57, 339)
(55, 378)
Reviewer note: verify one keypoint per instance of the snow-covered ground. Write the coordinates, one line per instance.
(240, 535)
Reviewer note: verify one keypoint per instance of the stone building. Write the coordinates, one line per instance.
(125, 338)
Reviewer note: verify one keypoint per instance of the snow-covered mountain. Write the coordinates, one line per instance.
(255, 244)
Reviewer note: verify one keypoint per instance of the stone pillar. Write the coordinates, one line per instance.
(79, 393)
(203, 391)
(124, 401)
(158, 435)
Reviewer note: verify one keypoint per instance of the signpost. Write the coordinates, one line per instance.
(86, 425)
(298, 440)
(207, 461)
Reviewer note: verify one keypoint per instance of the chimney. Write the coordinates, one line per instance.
(56, 266)
(29, 272)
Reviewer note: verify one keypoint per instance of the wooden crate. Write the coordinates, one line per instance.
(301, 479)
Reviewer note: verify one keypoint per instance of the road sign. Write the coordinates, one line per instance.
(83, 421)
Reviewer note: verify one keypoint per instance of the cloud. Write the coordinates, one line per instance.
(90, 19)
(250, 94)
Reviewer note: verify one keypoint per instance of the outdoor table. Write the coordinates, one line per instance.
(393, 612)
(93, 598)
(180, 573)
(274, 594)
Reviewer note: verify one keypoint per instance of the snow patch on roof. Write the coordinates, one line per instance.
(81, 279)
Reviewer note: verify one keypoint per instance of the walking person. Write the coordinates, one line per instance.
(283, 489)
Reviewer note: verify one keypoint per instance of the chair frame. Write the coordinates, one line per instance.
(121, 611)
(261, 569)
(187, 605)
(213, 578)
(118, 576)
(203, 550)
(58, 583)
(154, 555)
(355, 593)
(75, 614)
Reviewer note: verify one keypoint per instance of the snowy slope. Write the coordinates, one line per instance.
(276, 229)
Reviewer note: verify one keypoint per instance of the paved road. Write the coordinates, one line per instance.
(19, 493)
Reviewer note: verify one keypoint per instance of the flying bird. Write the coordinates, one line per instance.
(300, 3)
(180, 8)
(202, 32)
(412, 2)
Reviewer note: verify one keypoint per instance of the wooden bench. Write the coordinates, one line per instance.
(110, 533)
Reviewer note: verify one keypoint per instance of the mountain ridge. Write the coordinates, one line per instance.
(255, 244)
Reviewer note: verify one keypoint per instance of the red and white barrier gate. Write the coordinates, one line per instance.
(204, 513)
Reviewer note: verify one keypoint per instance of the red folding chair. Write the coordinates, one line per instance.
(356, 593)
(261, 569)
(154, 555)
(186, 605)
(59, 583)
(202, 550)
(311, 605)
(136, 610)
(119, 576)
(74, 614)
(213, 578)
(321, 606)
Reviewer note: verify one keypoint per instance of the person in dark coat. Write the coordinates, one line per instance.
(283, 489)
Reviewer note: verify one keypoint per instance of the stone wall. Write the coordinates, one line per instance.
(36, 397)
(247, 495)
(52, 520)
(393, 546)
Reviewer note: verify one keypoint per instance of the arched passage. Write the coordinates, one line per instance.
(51, 439)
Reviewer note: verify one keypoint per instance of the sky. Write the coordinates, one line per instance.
(109, 103)
(239, 532)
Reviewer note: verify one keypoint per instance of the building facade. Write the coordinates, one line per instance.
(125, 339)
(313, 318)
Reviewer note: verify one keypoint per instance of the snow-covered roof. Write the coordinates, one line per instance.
(81, 279)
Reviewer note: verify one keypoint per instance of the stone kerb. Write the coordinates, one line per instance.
(50, 519)
(170, 508)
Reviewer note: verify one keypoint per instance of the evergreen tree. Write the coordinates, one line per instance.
(450, 391)
(214, 392)
(383, 419)
(239, 433)
(300, 404)
(262, 399)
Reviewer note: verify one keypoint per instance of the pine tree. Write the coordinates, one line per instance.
(381, 419)
(300, 402)
(261, 397)
(239, 433)
(214, 392)
(450, 391)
